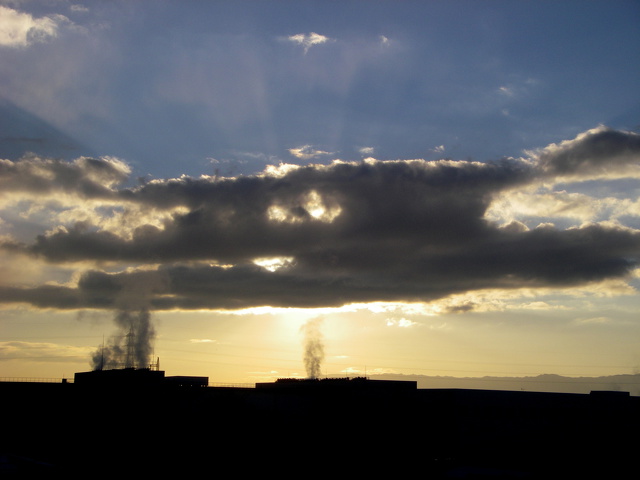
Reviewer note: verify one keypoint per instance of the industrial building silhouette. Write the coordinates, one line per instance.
(141, 421)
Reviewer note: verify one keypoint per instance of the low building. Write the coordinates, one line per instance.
(136, 377)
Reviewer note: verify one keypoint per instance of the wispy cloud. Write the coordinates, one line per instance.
(508, 91)
(307, 152)
(78, 8)
(42, 352)
(366, 150)
(592, 321)
(308, 40)
(401, 323)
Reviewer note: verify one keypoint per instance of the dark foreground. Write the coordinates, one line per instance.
(100, 431)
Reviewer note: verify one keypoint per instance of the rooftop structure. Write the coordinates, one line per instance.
(136, 377)
(326, 384)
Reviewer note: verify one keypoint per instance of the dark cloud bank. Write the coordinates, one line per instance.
(350, 232)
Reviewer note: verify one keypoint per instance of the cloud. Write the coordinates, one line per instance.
(78, 8)
(307, 152)
(366, 151)
(508, 91)
(401, 323)
(592, 321)
(18, 29)
(41, 352)
(601, 152)
(577, 208)
(317, 235)
(87, 177)
(519, 88)
(308, 40)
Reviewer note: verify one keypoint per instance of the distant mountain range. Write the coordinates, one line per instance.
(540, 383)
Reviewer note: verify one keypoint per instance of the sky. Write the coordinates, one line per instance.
(255, 190)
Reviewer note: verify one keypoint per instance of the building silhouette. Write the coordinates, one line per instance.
(142, 422)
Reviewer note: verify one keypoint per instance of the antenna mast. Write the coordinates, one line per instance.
(131, 353)
(101, 364)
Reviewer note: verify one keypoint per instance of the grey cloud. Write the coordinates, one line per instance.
(85, 177)
(382, 205)
(398, 231)
(46, 296)
(600, 151)
(354, 274)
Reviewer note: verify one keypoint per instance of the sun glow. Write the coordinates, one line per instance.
(318, 209)
(312, 207)
(273, 263)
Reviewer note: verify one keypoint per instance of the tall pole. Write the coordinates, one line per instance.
(130, 356)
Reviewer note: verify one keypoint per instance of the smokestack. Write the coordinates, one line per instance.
(313, 347)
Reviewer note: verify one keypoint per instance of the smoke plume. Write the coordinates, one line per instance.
(313, 347)
(131, 346)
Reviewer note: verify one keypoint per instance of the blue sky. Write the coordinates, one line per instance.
(460, 173)
(174, 86)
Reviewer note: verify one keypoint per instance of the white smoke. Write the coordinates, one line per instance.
(313, 347)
